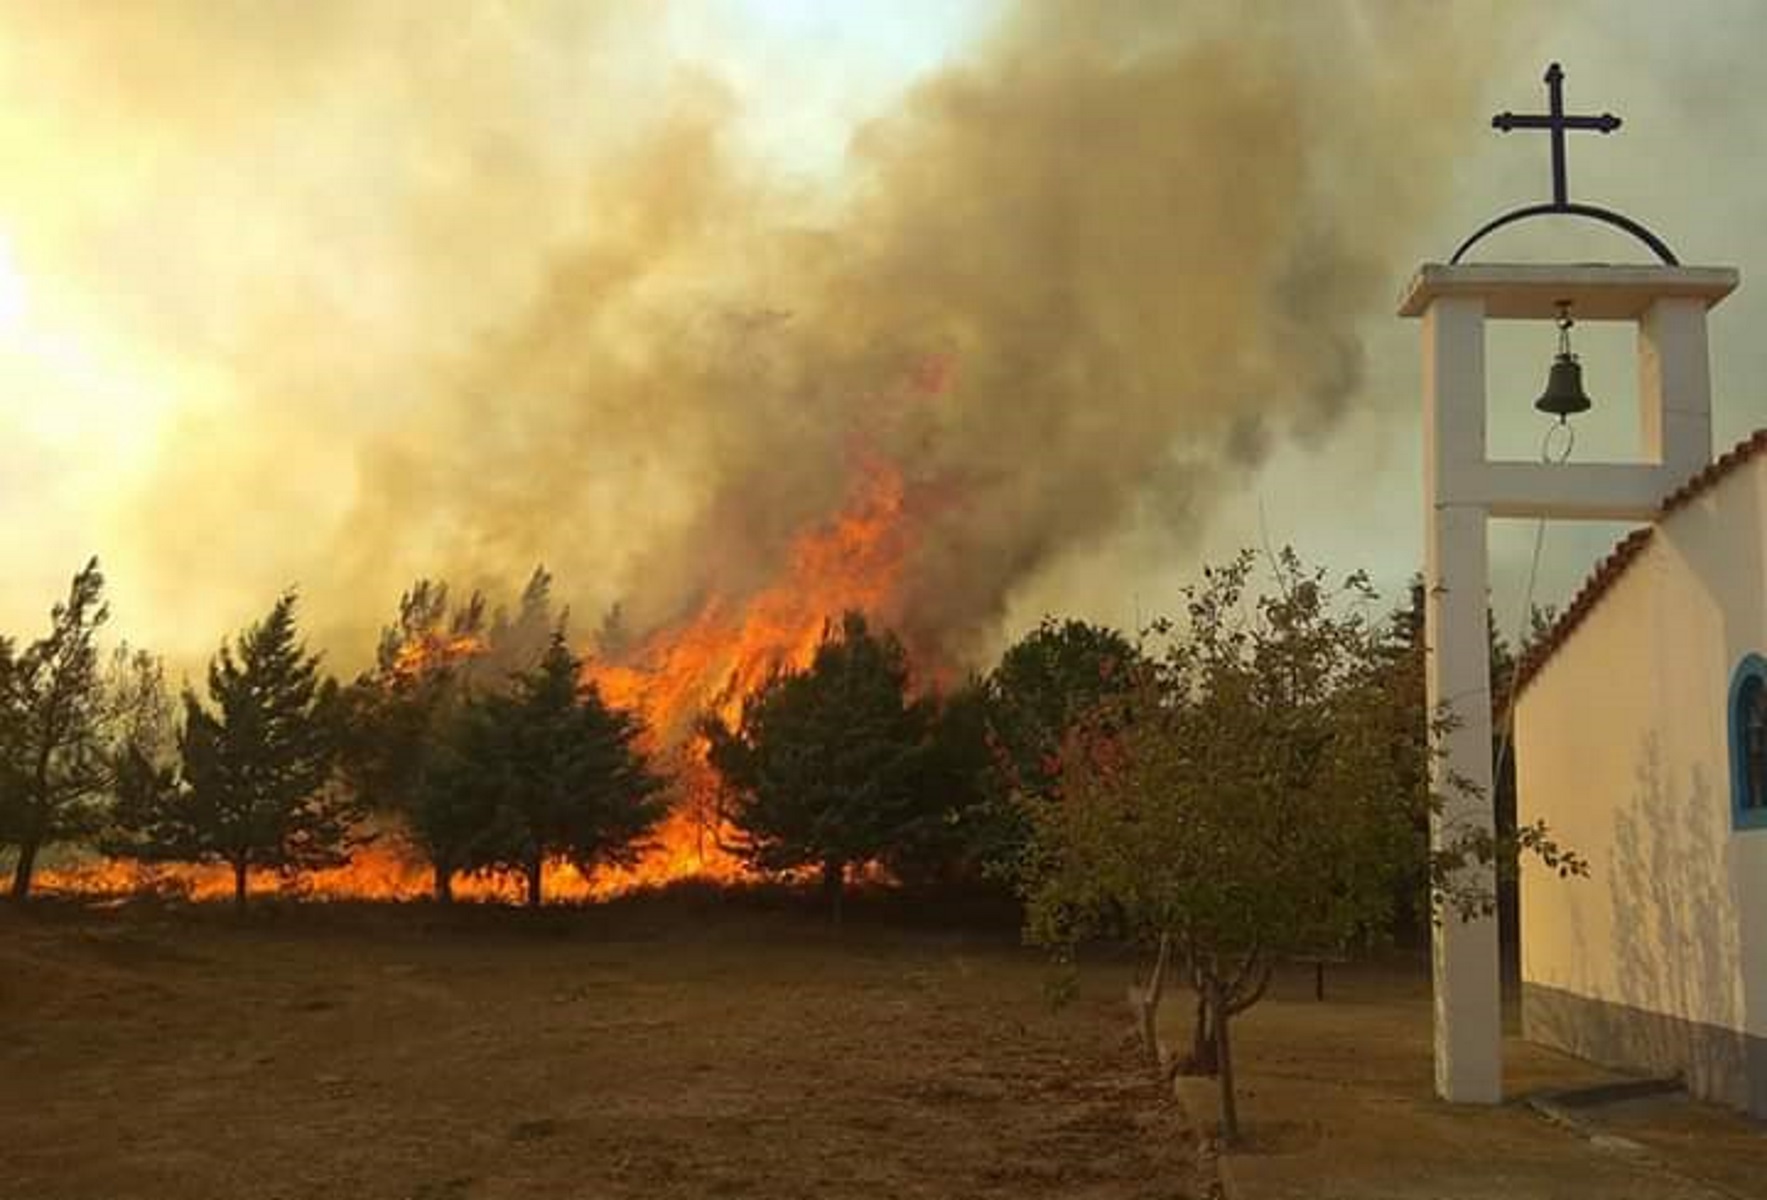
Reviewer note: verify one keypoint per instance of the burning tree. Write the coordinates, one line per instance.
(828, 767)
(1249, 797)
(255, 787)
(399, 721)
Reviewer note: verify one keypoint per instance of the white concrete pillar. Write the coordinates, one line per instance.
(1463, 489)
(1675, 385)
(1468, 1000)
(1454, 396)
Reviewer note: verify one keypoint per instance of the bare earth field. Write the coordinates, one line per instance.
(671, 1047)
(1337, 1103)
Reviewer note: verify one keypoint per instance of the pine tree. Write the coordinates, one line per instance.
(554, 771)
(256, 787)
(830, 767)
(955, 839)
(55, 773)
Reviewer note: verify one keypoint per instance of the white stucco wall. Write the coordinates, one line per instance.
(1622, 746)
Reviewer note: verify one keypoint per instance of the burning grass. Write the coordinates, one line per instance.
(390, 871)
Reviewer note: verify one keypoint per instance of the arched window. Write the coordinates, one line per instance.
(1748, 743)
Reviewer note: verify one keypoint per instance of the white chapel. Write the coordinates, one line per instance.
(1641, 738)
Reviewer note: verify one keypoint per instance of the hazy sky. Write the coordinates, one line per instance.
(279, 279)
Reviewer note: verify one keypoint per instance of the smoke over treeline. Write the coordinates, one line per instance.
(452, 291)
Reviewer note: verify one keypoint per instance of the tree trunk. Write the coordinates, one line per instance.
(535, 866)
(1202, 1039)
(1147, 1004)
(24, 870)
(239, 885)
(834, 886)
(36, 825)
(444, 884)
(1224, 1068)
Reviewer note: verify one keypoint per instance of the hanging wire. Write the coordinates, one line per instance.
(1550, 454)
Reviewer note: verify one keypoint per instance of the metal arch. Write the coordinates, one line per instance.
(1593, 212)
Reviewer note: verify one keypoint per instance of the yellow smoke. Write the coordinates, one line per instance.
(387, 290)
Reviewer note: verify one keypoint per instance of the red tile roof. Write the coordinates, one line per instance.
(1609, 570)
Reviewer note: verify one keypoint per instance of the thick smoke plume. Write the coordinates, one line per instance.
(450, 296)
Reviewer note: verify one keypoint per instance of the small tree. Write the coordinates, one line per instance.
(55, 725)
(1247, 798)
(549, 770)
(256, 787)
(1048, 680)
(828, 767)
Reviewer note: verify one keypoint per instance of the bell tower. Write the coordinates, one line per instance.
(1667, 304)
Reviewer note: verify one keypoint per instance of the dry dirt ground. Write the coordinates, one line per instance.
(677, 1047)
(1337, 1103)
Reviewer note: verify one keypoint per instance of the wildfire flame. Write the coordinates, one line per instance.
(382, 870)
(670, 679)
(433, 651)
(709, 663)
(727, 650)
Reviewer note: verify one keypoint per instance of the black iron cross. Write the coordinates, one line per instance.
(1557, 122)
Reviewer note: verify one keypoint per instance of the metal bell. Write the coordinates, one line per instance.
(1564, 396)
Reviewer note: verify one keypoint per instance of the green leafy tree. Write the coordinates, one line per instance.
(256, 786)
(1046, 681)
(1243, 801)
(548, 770)
(828, 767)
(56, 723)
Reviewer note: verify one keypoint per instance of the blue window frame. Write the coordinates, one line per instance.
(1748, 743)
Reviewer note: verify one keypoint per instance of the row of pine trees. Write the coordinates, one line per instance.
(275, 767)
(476, 739)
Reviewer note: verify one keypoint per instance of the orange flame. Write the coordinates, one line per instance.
(385, 870)
(708, 663)
(726, 651)
(433, 651)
